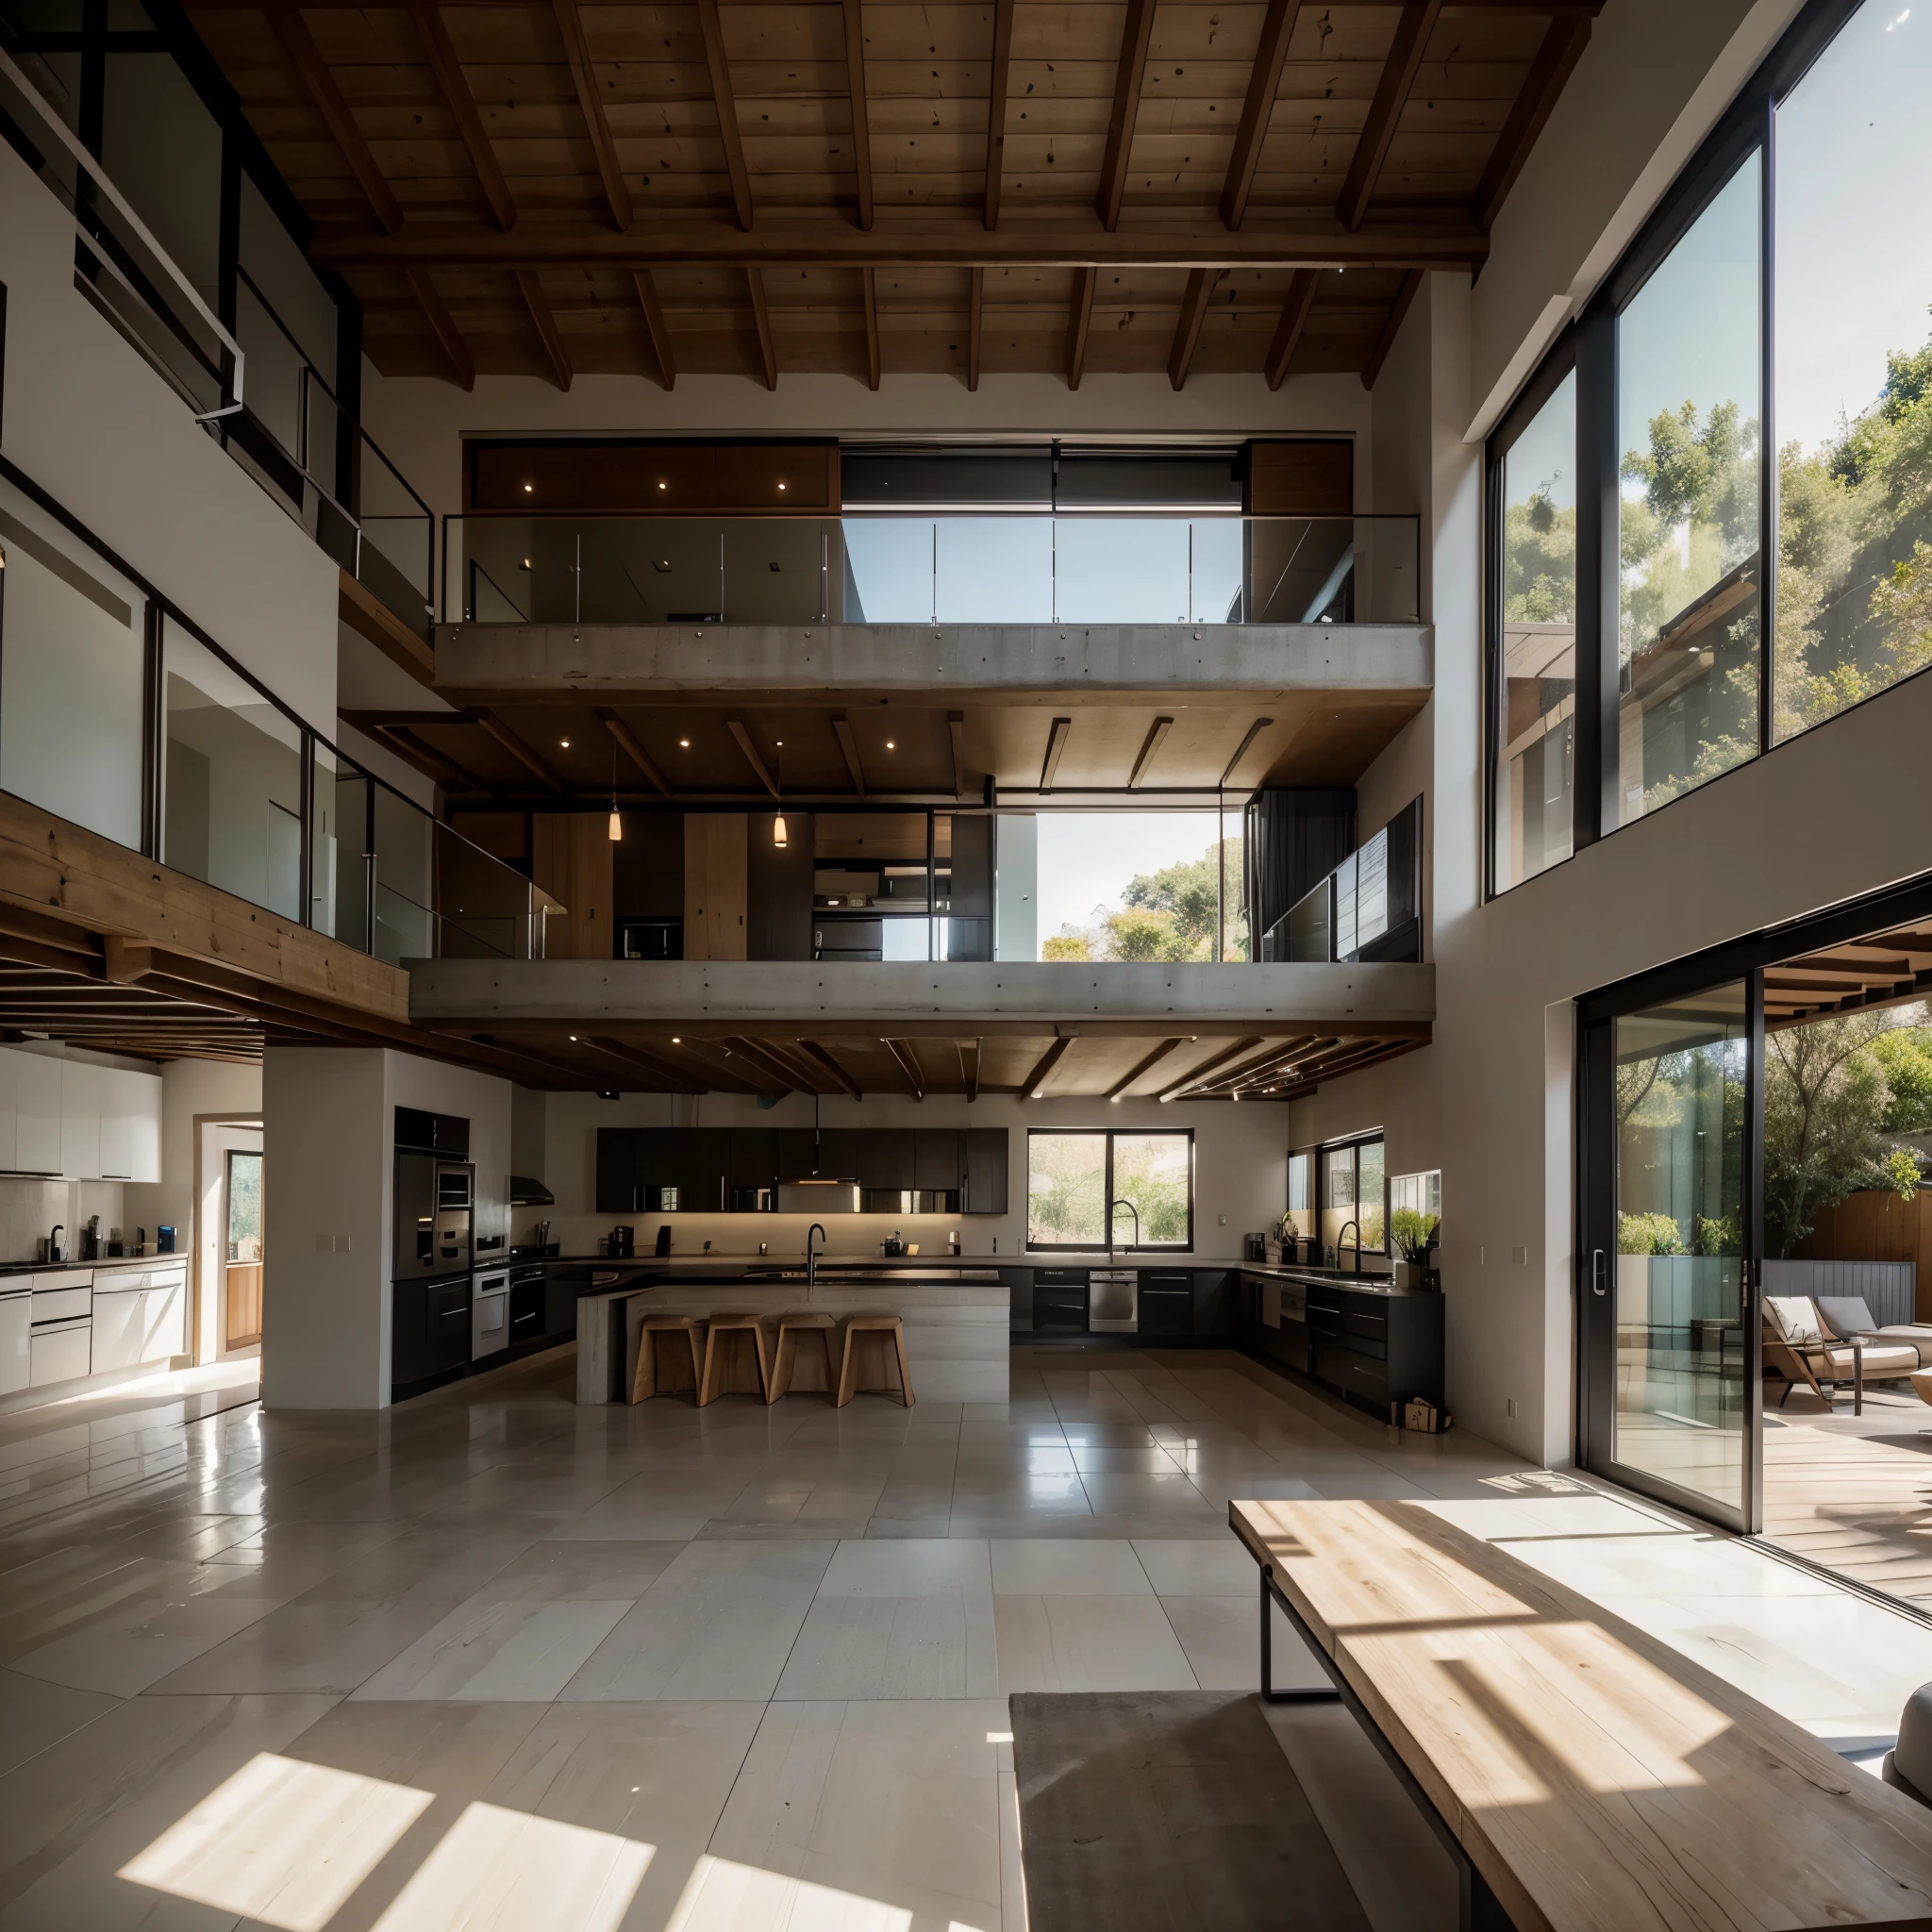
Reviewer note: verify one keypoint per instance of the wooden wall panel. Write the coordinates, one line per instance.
(571, 860)
(1875, 1225)
(686, 477)
(1301, 479)
(714, 885)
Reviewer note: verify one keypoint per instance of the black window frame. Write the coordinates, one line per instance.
(1351, 1144)
(1589, 345)
(1107, 1134)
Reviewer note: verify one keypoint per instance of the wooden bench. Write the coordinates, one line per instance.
(1584, 1775)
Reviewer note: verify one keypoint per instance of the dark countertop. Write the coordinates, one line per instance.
(1359, 1284)
(738, 1271)
(115, 1262)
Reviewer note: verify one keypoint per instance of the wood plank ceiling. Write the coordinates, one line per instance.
(540, 187)
(1887, 968)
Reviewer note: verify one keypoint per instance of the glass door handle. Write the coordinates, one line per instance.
(1599, 1274)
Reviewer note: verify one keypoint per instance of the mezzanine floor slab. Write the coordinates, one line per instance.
(493, 1659)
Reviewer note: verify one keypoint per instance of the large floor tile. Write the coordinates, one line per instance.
(124, 1653)
(35, 1714)
(911, 1567)
(1221, 1638)
(1088, 1643)
(1192, 1566)
(938, 1645)
(489, 1651)
(1064, 1567)
(719, 1622)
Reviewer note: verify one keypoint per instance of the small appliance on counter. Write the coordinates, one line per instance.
(893, 1244)
(164, 1241)
(663, 1246)
(90, 1238)
(1254, 1247)
(619, 1245)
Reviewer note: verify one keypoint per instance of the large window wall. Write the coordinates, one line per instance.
(1639, 647)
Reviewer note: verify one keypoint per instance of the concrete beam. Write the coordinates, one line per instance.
(1033, 661)
(952, 1000)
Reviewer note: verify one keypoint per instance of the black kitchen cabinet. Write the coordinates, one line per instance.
(1059, 1301)
(937, 1159)
(429, 1329)
(1214, 1301)
(1166, 1301)
(1377, 1347)
(750, 1157)
(620, 1169)
(886, 1159)
(1019, 1299)
(986, 1171)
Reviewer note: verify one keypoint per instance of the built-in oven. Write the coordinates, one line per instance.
(489, 1312)
(526, 1305)
(434, 1204)
(1113, 1301)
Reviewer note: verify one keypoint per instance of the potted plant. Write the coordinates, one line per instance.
(1414, 1235)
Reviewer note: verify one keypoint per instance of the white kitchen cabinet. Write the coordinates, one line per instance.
(80, 1120)
(119, 1326)
(16, 1325)
(36, 1112)
(10, 1110)
(130, 1125)
(164, 1318)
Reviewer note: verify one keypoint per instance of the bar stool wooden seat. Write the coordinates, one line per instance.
(785, 1355)
(891, 1333)
(727, 1370)
(650, 1377)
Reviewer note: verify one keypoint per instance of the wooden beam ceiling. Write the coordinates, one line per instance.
(1075, 159)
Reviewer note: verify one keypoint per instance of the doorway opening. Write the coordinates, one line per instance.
(229, 1255)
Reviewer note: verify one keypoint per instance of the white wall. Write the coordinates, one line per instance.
(1241, 1169)
(91, 423)
(419, 421)
(329, 1138)
(189, 1087)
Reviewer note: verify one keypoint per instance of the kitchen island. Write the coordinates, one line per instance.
(954, 1312)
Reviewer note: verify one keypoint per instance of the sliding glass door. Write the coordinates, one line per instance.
(1670, 1247)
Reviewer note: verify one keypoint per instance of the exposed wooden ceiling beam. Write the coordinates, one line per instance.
(736, 727)
(1127, 107)
(1210, 1065)
(449, 338)
(1277, 1060)
(454, 86)
(727, 100)
(1241, 751)
(1149, 746)
(1080, 320)
(576, 50)
(1412, 31)
(974, 1069)
(916, 241)
(1141, 1066)
(1411, 286)
(909, 1065)
(861, 127)
(831, 1066)
(762, 322)
(848, 750)
(439, 764)
(996, 107)
(1030, 1086)
(1564, 42)
(1187, 332)
(538, 304)
(760, 1055)
(956, 739)
(288, 28)
(976, 300)
(718, 1066)
(627, 741)
(1264, 83)
(1055, 744)
(673, 1077)
(524, 755)
(1288, 331)
(655, 327)
(870, 288)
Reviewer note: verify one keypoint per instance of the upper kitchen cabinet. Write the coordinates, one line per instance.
(75, 1119)
(986, 1171)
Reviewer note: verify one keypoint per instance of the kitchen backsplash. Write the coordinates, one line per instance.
(29, 1208)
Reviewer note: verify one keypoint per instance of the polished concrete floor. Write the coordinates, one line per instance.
(492, 1660)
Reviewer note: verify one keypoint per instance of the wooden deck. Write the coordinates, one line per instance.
(1854, 1492)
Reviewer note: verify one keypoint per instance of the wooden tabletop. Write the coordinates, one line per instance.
(1597, 1778)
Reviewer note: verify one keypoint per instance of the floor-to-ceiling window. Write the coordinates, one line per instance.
(1638, 648)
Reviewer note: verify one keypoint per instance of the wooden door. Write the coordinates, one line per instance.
(714, 885)
(242, 1250)
(571, 860)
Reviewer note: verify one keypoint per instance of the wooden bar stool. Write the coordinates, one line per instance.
(718, 1372)
(858, 1326)
(648, 1378)
(785, 1355)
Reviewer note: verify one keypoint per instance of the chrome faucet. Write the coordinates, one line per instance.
(1343, 1231)
(811, 1254)
(1113, 1208)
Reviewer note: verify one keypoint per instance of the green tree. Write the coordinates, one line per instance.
(1184, 896)
(1905, 1056)
(1825, 1099)
(1143, 932)
(1066, 945)
(1539, 560)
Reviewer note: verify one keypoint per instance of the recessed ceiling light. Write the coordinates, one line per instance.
(572, 1037)
(684, 743)
(676, 1039)
(663, 486)
(565, 743)
(891, 746)
(528, 487)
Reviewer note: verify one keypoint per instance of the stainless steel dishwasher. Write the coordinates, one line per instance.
(1113, 1301)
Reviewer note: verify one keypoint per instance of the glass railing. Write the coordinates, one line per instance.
(1096, 568)
(178, 753)
(1369, 907)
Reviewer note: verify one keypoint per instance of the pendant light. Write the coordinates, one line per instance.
(616, 825)
(778, 823)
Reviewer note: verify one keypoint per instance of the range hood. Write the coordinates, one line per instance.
(814, 1194)
(524, 1192)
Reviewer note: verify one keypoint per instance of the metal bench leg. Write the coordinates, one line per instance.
(1326, 1694)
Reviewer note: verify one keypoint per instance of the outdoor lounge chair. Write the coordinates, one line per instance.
(1804, 1348)
(1848, 1317)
